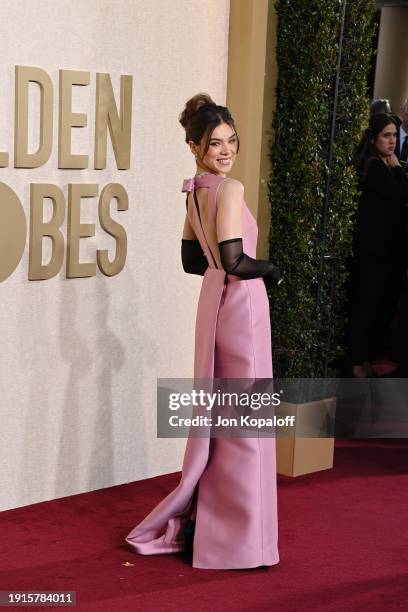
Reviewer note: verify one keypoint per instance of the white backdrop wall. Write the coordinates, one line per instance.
(80, 357)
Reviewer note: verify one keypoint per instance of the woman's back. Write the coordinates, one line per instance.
(206, 204)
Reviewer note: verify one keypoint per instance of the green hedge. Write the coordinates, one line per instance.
(307, 53)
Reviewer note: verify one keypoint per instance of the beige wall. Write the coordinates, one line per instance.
(391, 78)
(252, 76)
(80, 357)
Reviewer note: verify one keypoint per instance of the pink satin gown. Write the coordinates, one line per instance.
(228, 485)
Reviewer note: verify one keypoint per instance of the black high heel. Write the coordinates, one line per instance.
(188, 535)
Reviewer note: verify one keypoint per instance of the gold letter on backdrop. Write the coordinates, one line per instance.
(13, 231)
(68, 119)
(4, 160)
(39, 229)
(78, 230)
(106, 114)
(22, 158)
(110, 191)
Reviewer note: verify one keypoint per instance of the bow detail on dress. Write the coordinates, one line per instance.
(188, 185)
(200, 180)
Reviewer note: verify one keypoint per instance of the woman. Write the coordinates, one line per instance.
(379, 261)
(228, 485)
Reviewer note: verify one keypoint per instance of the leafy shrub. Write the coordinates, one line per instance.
(305, 328)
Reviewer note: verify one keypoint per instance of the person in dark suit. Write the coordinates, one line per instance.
(401, 149)
(379, 248)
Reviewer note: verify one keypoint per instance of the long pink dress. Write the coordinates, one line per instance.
(228, 485)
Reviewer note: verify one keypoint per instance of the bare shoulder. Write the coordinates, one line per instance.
(230, 206)
(230, 190)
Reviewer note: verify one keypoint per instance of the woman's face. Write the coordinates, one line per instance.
(386, 140)
(222, 150)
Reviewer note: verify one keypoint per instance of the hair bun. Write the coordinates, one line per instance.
(193, 105)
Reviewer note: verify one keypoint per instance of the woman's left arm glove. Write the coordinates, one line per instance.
(192, 257)
(236, 262)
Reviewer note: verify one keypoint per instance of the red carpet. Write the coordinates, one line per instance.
(343, 545)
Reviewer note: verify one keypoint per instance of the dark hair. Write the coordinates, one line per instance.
(366, 150)
(201, 115)
(381, 105)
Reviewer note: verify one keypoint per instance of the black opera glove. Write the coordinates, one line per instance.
(234, 261)
(192, 257)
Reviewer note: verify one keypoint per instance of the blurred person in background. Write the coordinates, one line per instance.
(380, 105)
(401, 149)
(379, 259)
